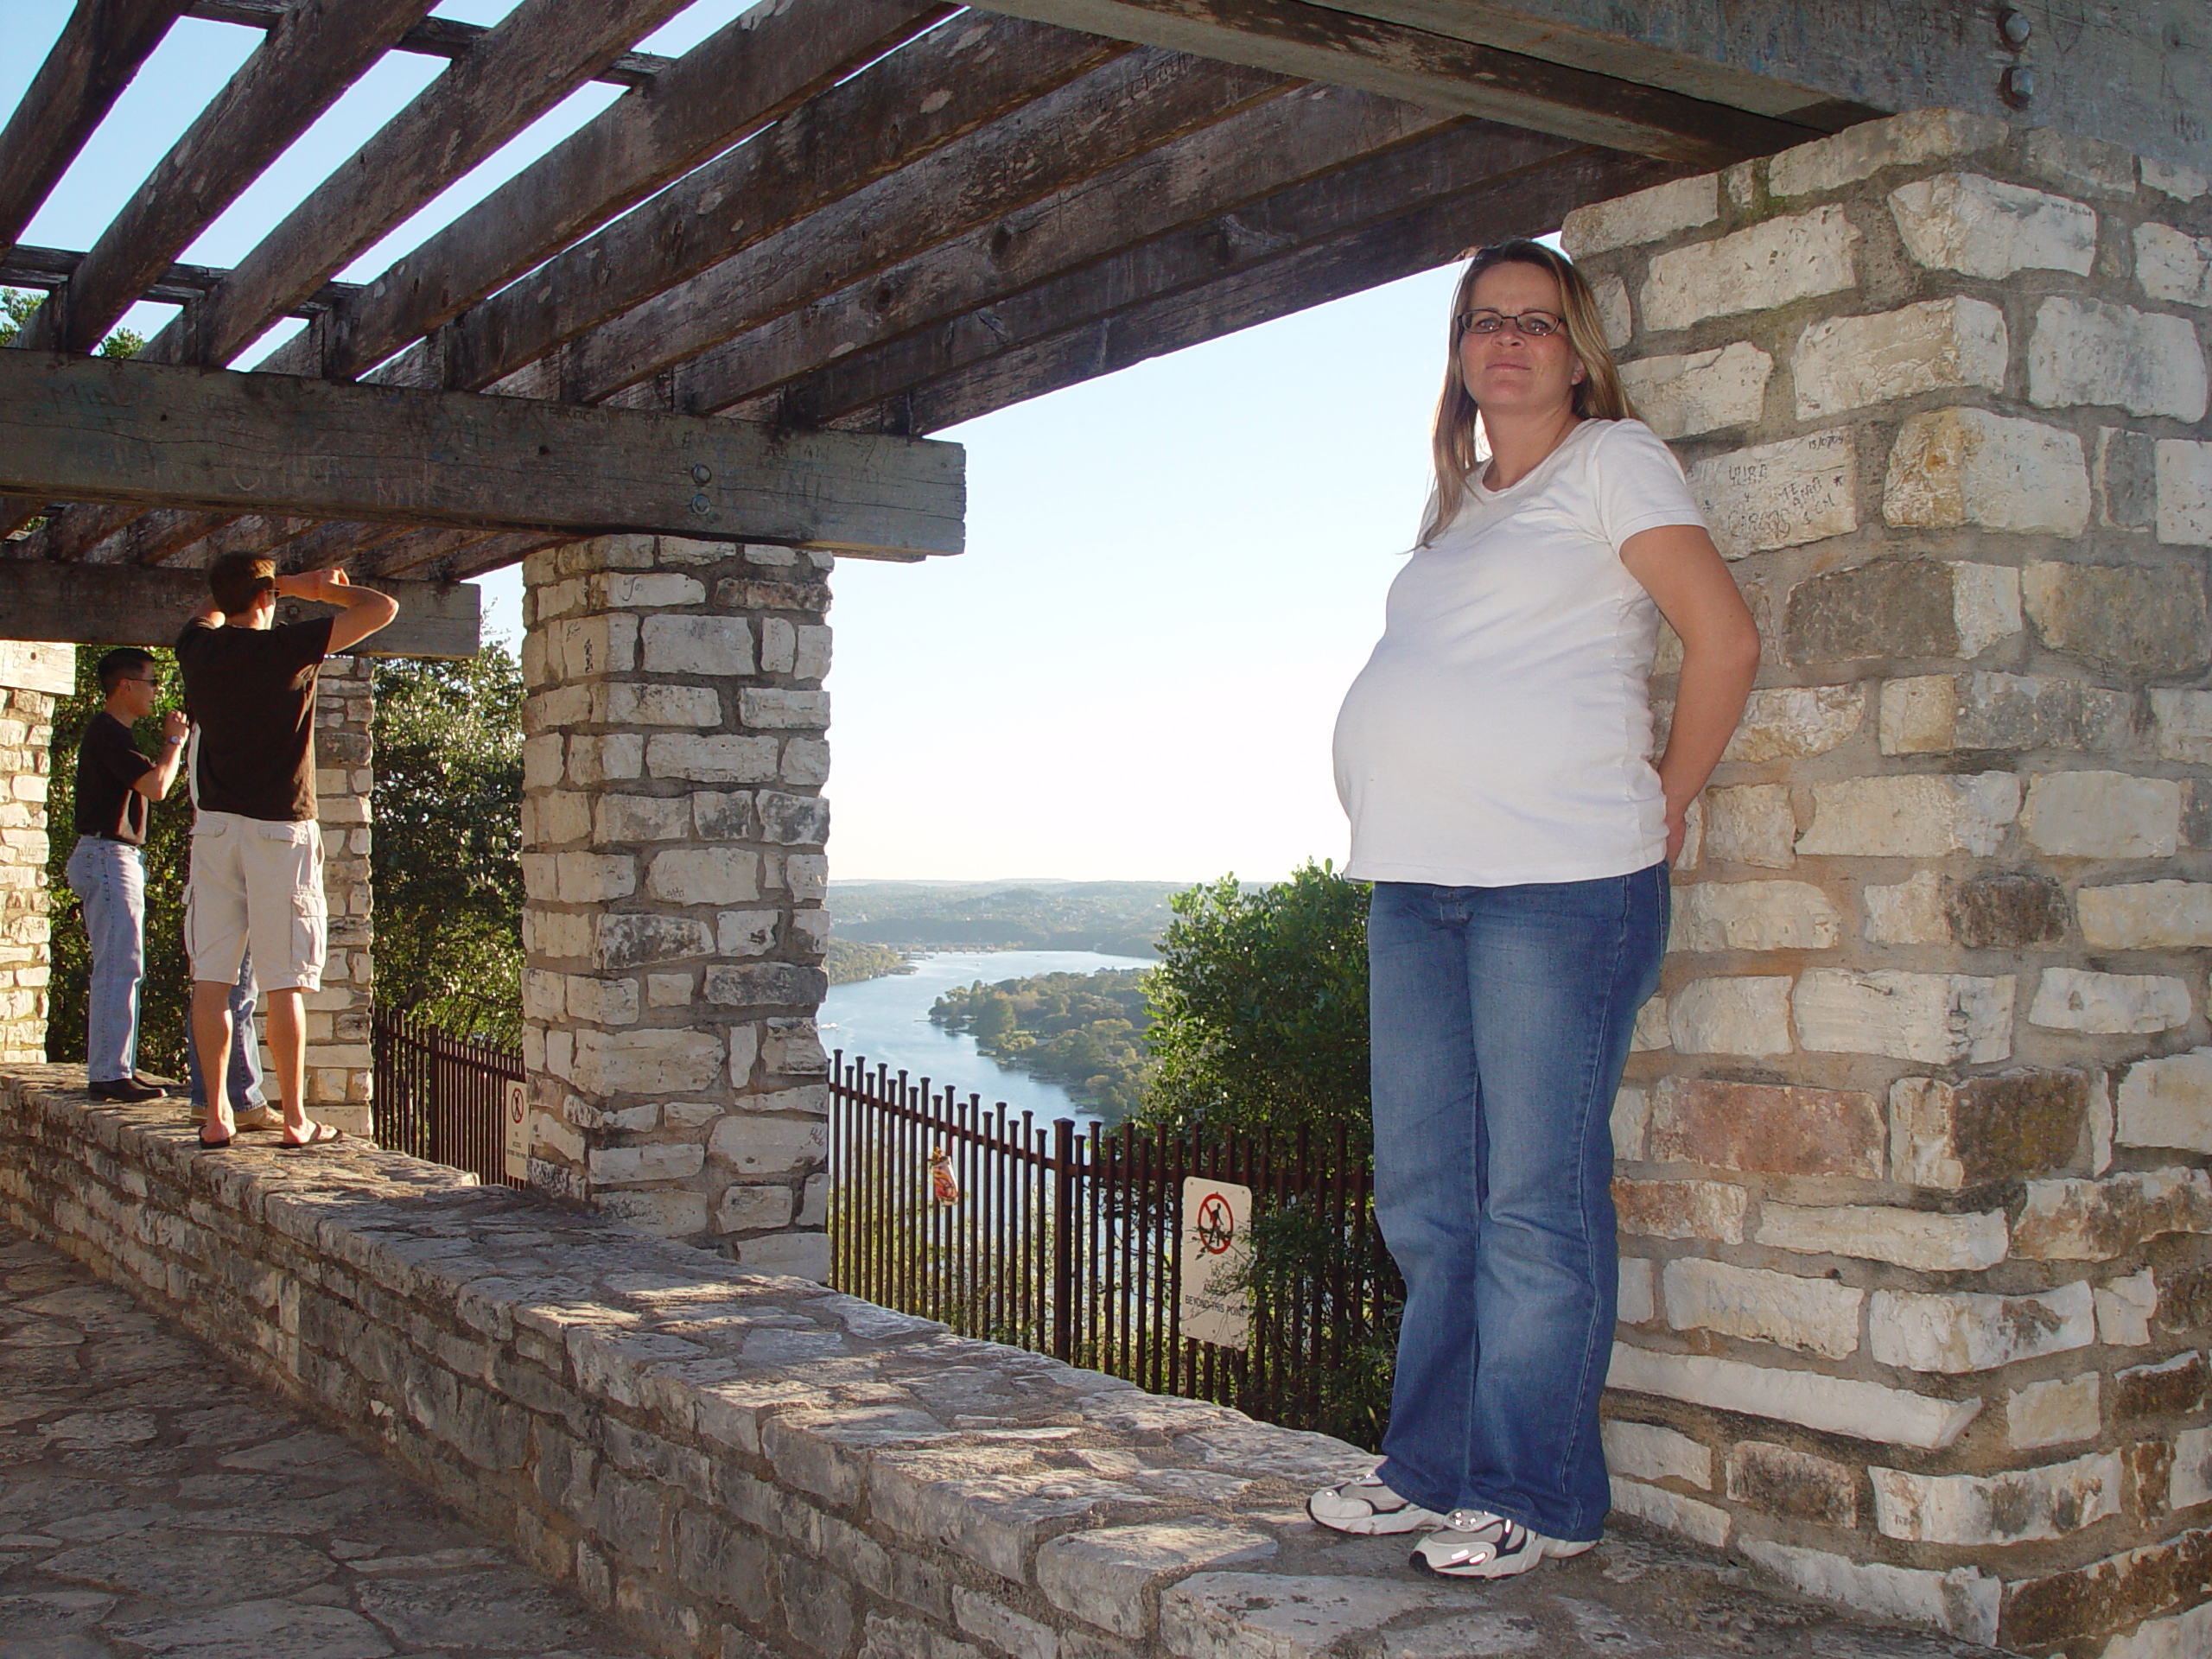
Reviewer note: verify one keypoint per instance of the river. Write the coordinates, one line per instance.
(887, 1021)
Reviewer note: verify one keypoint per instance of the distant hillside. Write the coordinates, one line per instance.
(1122, 918)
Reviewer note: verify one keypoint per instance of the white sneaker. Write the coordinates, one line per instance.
(1368, 1507)
(1475, 1544)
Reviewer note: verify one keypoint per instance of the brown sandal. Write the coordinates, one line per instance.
(319, 1134)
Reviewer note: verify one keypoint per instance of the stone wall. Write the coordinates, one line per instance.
(340, 1070)
(1914, 1186)
(673, 930)
(32, 678)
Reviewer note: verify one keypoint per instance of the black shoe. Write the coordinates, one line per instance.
(124, 1088)
(147, 1080)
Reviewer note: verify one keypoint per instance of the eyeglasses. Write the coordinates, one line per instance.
(1530, 325)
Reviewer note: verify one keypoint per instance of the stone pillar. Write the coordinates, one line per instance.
(338, 1066)
(1914, 1177)
(672, 833)
(32, 676)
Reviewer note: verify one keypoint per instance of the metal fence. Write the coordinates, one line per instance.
(1066, 1242)
(440, 1096)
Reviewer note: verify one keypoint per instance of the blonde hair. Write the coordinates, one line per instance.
(1598, 396)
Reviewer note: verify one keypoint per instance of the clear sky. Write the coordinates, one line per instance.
(1172, 573)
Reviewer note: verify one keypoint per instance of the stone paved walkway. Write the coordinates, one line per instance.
(151, 1504)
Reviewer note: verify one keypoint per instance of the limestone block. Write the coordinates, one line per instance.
(801, 1255)
(1753, 916)
(746, 932)
(632, 939)
(1730, 1015)
(1814, 1316)
(1276, 1616)
(807, 875)
(766, 984)
(1767, 1127)
(792, 820)
(645, 1061)
(1647, 1452)
(810, 656)
(2088, 165)
(717, 645)
(1860, 152)
(1925, 1240)
(2124, 1310)
(1782, 494)
(2145, 620)
(1952, 466)
(1651, 1032)
(1782, 1481)
(593, 760)
(772, 708)
(1939, 714)
(2167, 1103)
(1794, 722)
(1767, 265)
(806, 762)
(1833, 1405)
(1910, 913)
(2183, 471)
(2076, 999)
(1963, 1601)
(1705, 1523)
(660, 1161)
(793, 1048)
(2146, 915)
(2175, 179)
(1707, 1209)
(1637, 1300)
(606, 1002)
(1646, 216)
(756, 1145)
(2102, 815)
(2192, 1471)
(1848, 363)
(1613, 315)
(1702, 391)
(593, 877)
(1937, 1019)
(1902, 608)
(752, 1209)
(2057, 1413)
(1101, 1576)
(542, 761)
(2181, 1636)
(2015, 1507)
(2099, 1220)
(704, 875)
(1955, 1135)
(720, 759)
(1957, 1331)
(583, 648)
(1750, 824)
(1916, 817)
(1981, 227)
(2183, 722)
(657, 590)
(625, 702)
(638, 817)
(2087, 351)
(2173, 266)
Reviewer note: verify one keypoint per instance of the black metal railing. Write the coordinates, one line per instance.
(1066, 1242)
(440, 1096)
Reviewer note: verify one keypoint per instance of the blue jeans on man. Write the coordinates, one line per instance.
(1501, 1022)
(109, 878)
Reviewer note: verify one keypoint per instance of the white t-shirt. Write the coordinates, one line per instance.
(1501, 733)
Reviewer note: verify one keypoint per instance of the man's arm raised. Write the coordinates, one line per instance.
(362, 611)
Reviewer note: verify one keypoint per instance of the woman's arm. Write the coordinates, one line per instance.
(1689, 581)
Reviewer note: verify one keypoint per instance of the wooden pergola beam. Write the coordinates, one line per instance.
(1524, 203)
(292, 76)
(1441, 72)
(1308, 134)
(89, 428)
(536, 57)
(24, 266)
(107, 604)
(95, 57)
(1111, 117)
(433, 37)
(754, 70)
(913, 101)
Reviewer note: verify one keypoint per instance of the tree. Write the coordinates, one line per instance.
(1259, 1008)
(446, 811)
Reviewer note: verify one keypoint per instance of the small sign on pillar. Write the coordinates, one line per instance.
(1216, 1307)
(515, 1122)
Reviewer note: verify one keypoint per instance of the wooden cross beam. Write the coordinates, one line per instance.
(89, 428)
(115, 605)
(433, 37)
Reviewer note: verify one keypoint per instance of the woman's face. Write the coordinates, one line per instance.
(1508, 372)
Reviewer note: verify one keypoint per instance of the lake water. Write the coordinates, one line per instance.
(887, 1021)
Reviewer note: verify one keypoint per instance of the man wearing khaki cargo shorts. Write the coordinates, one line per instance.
(257, 851)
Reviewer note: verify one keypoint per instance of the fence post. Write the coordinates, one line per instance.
(1064, 1201)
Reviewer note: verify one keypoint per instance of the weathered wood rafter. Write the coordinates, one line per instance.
(24, 266)
(433, 37)
(103, 429)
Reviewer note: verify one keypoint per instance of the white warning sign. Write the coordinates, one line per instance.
(1215, 1250)
(515, 1122)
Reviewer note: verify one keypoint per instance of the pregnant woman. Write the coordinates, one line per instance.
(1494, 759)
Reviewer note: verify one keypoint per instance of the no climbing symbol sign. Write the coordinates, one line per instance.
(1214, 1306)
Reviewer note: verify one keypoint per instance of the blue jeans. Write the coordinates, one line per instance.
(243, 1072)
(1501, 1020)
(108, 879)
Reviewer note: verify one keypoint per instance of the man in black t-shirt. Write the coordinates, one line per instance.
(257, 851)
(116, 786)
